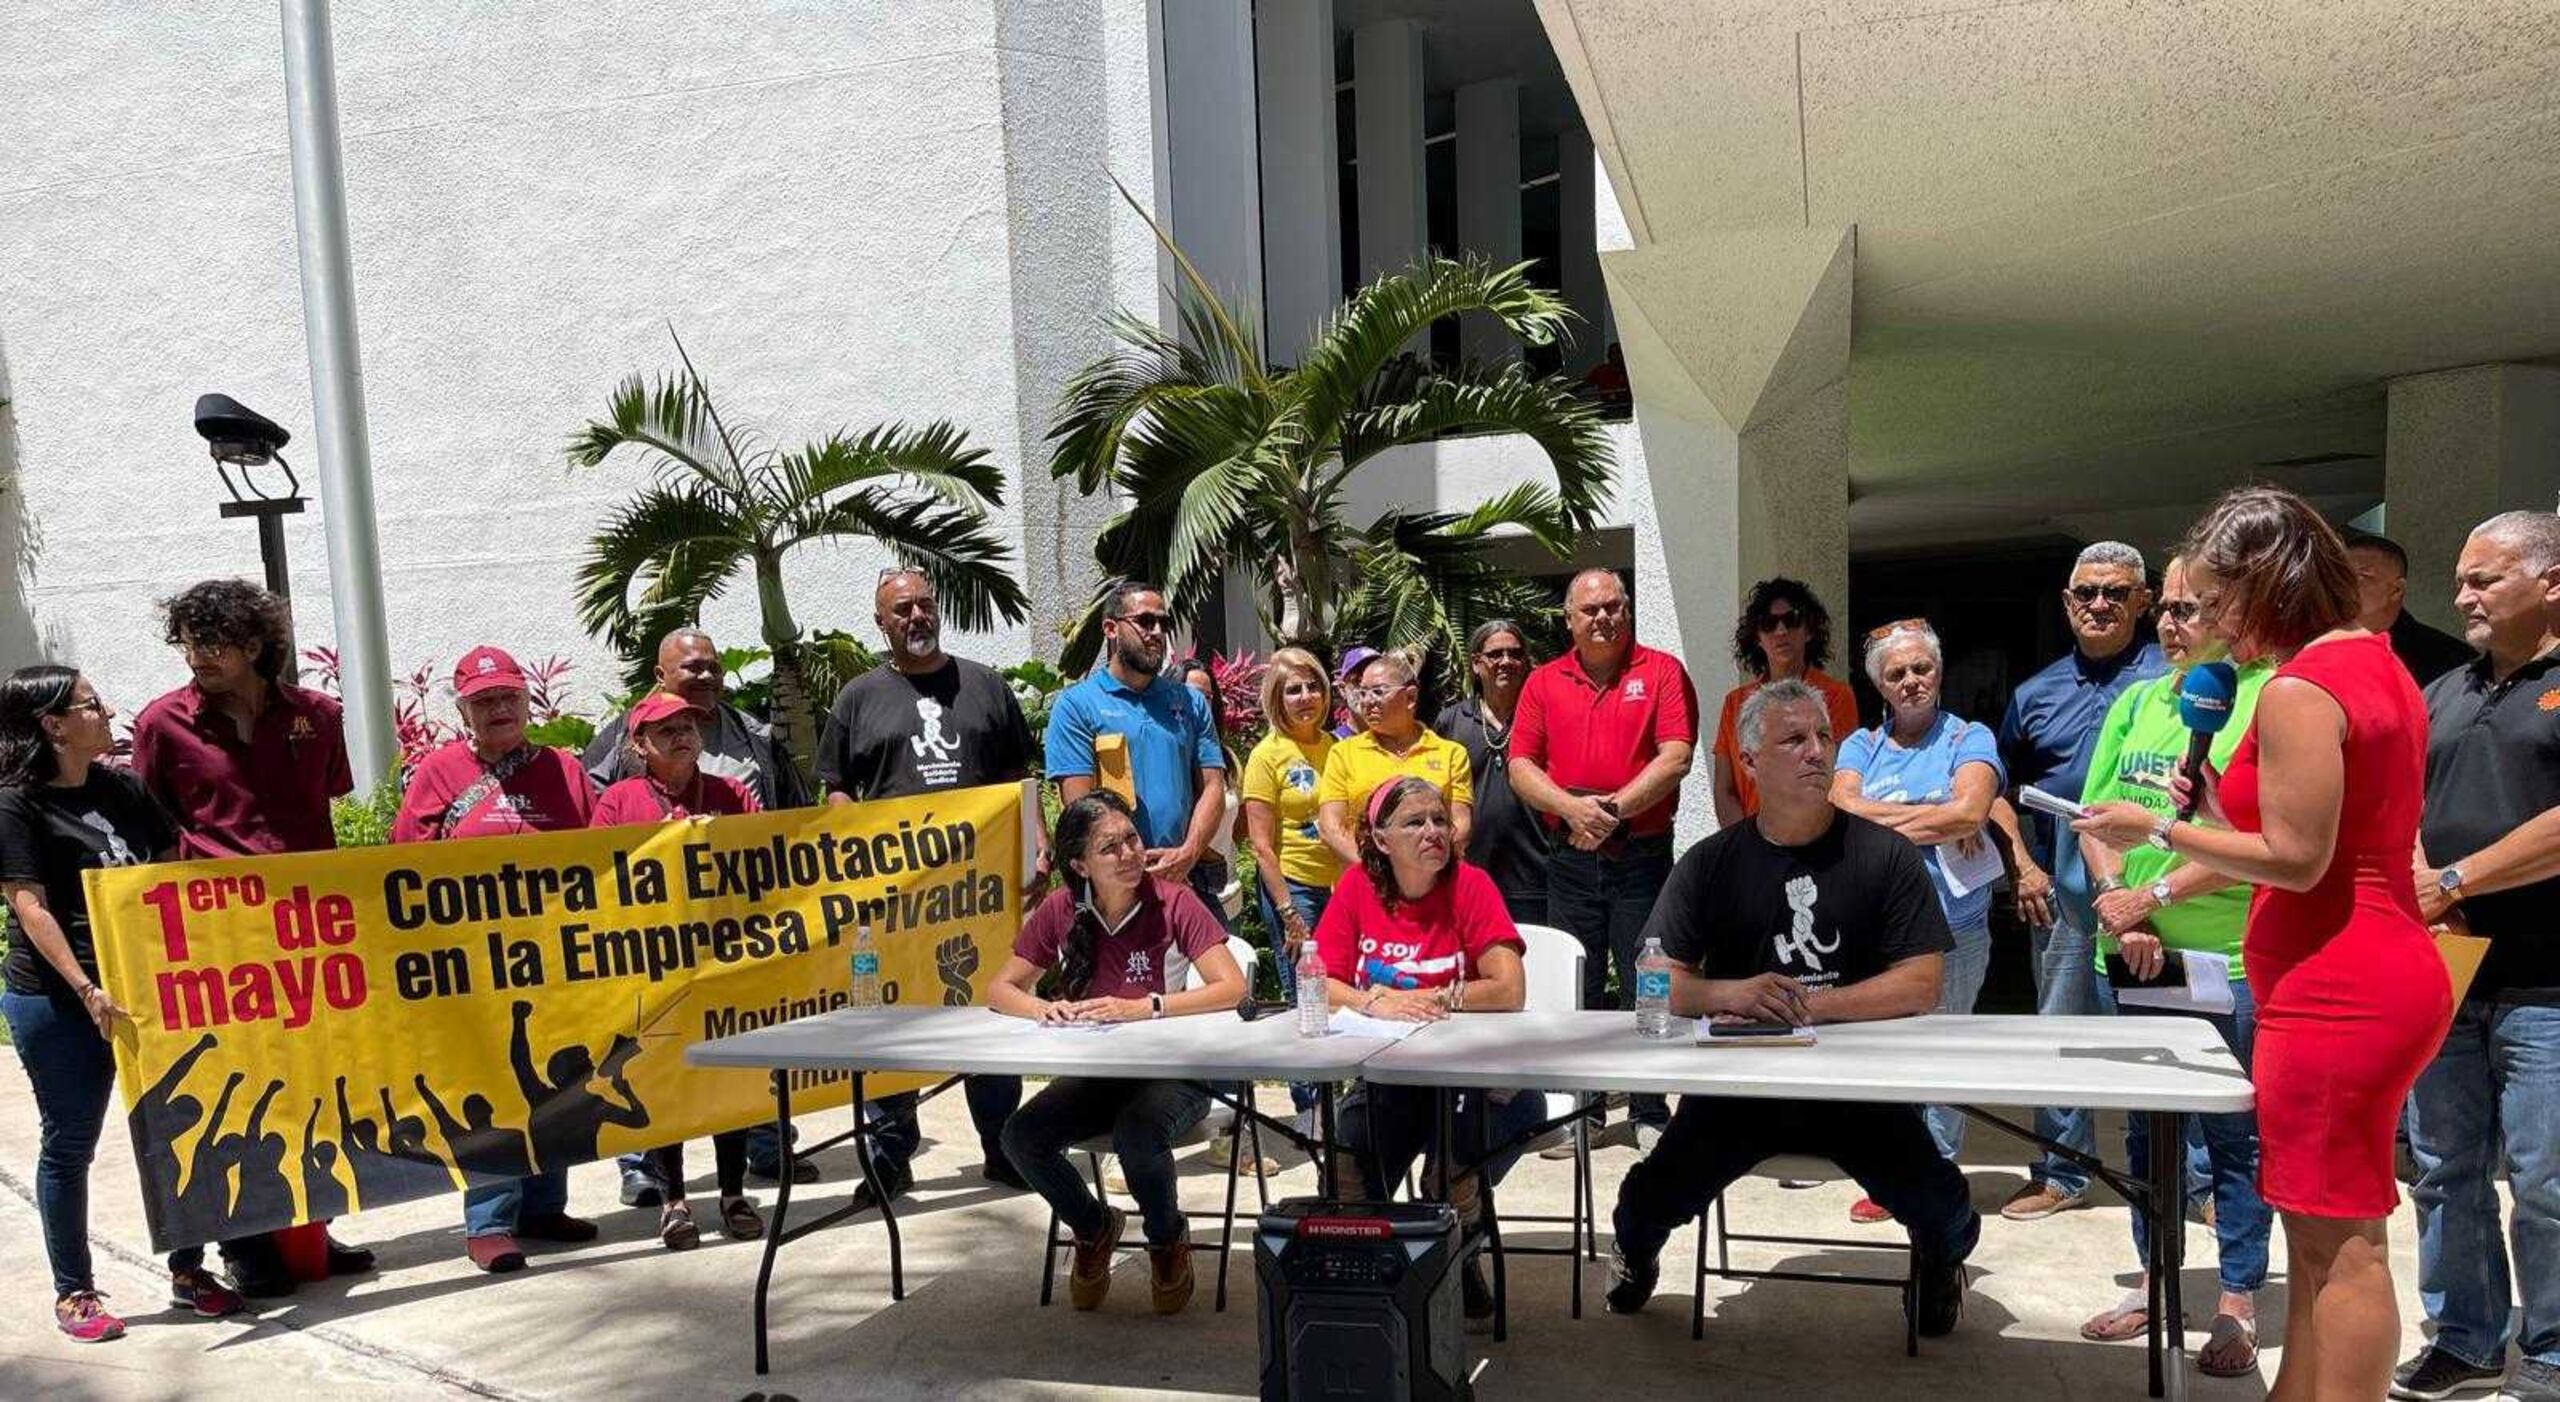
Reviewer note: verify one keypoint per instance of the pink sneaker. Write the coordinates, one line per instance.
(203, 1291)
(80, 1315)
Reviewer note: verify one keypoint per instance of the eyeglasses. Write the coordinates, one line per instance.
(1899, 625)
(1145, 622)
(1781, 622)
(205, 647)
(2182, 610)
(1366, 694)
(93, 706)
(2112, 593)
(1504, 654)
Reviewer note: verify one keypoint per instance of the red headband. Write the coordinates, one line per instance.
(1378, 797)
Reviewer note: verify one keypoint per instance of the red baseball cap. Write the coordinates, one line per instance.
(655, 707)
(486, 669)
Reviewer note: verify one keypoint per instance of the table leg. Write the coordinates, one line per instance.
(2169, 1222)
(1326, 1188)
(781, 1209)
(879, 1192)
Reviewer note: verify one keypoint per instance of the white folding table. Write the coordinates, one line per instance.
(2162, 1067)
(857, 1042)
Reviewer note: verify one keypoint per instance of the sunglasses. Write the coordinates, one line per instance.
(2112, 593)
(1504, 654)
(2182, 610)
(93, 706)
(1899, 625)
(1781, 622)
(1145, 622)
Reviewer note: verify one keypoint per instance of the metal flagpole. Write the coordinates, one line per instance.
(337, 388)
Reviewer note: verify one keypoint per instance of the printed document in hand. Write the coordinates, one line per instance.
(1966, 875)
(2207, 988)
(1347, 1023)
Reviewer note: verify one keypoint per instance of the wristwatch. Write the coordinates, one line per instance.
(2160, 831)
(2160, 893)
(2449, 881)
(1155, 1004)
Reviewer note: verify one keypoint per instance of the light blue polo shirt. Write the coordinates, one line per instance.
(1926, 773)
(1170, 740)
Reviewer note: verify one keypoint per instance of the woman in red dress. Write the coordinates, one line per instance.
(2319, 810)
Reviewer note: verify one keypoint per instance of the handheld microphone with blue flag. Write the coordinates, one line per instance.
(2204, 707)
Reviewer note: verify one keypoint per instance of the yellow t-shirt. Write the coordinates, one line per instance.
(1360, 764)
(1285, 774)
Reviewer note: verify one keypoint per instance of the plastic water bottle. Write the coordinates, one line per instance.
(1653, 991)
(1314, 1015)
(866, 969)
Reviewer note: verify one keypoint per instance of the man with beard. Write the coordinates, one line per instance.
(247, 763)
(737, 746)
(1176, 767)
(926, 722)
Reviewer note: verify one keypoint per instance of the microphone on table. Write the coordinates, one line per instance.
(2204, 707)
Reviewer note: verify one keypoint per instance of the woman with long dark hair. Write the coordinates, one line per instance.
(1413, 934)
(63, 813)
(1105, 933)
(1784, 633)
(2319, 810)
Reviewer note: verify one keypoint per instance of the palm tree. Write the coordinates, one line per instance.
(1225, 462)
(725, 503)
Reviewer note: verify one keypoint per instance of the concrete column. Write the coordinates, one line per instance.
(1489, 200)
(2462, 446)
(1580, 186)
(1737, 345)
(1301, 172)
(1386, 73)
(1212, 150)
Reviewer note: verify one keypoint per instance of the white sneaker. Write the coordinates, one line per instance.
(1647, 1138)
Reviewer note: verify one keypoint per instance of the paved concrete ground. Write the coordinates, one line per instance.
(623, 1318)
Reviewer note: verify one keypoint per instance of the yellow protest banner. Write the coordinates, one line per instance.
(319, 1033)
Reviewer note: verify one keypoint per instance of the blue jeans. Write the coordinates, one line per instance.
(1309, 901)
(73, 1071)
(2066, 954)
(895, 1133)
(1604, 902)
(1143, 1119)
(2498, 1075)
(493, 1209)
(1385, 1128)
(764, 1153)
(1957, 989)
(2241, 1219)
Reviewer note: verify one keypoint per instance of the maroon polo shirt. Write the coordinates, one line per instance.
(245, 798)
(1593, 739)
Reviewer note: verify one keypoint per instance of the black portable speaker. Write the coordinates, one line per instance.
(1360, 1300)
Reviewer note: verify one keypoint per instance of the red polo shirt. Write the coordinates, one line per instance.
(245, 798)
(1593, 739)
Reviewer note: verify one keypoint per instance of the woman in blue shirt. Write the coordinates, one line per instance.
(1934, 778)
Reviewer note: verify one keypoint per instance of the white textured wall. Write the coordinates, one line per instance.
(855, 212)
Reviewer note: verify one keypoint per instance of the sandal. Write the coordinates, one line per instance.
(739, 1220)
(2128, 1318)
(676, 1230)
(2234, 1342)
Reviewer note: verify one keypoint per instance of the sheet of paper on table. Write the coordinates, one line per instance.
(2207, 988)
(1347, 1023)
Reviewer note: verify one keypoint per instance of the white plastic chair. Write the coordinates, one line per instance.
(1093, 1150)
(1552, 965)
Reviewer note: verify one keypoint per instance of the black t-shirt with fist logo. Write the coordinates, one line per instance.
(893, 735)
(1837, 910)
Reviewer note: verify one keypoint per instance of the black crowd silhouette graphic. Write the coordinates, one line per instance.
(390, 1158)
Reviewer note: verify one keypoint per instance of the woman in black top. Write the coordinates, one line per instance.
(61, 813)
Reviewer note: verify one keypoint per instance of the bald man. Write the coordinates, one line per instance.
(737, 746)
(2382, 583)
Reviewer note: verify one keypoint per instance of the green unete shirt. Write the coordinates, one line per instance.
(2139, 750)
